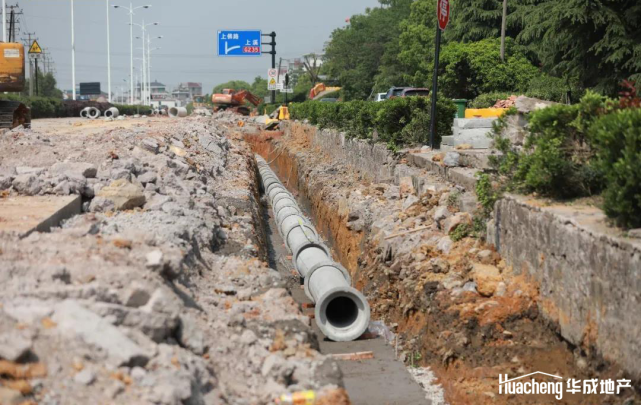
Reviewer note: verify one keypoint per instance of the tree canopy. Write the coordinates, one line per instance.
(590, 44)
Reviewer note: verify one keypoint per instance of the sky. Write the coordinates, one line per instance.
(189, 30)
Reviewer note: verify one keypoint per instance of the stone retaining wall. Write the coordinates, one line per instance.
(589, 277)
(373, 159)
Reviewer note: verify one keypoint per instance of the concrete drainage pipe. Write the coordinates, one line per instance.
(178, 112)
(93, 112)
(84, 113)
(342, 312)
(112, 113)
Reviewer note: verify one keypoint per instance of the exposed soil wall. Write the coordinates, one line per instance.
(455, 305)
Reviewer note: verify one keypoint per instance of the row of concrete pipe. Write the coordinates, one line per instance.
(342, 312)
(93, 112)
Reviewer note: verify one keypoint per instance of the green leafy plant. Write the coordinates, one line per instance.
(461, 232)
(617, 139)
(398, 122)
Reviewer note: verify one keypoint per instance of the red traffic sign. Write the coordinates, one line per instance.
(443, 13)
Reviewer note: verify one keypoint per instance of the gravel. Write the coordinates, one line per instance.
(154, 293)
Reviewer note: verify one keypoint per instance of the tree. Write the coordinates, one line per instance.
(470, 69)
(232, 84)
(597, 42)
(47, 86)
(312, 66)
(354, 53)
(417, 44)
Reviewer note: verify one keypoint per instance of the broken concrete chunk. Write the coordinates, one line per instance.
(149, 145)
(28, 184)
(409, 201)
(136, 295)
(29, 170)
(123, 194)
(440, 214)
(526, 105)
(74, 320)
(86, 170)
(148, 177)
(14, 344)
(154, 260)
(85, 377)
(190, 335)
(445, 244)
(451, 159)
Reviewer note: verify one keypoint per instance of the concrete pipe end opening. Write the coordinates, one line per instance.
(93, 113)
(112, 112)
(177, 112)
(342, 314)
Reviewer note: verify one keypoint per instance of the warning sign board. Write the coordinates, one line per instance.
(273, 85)
(35, 48)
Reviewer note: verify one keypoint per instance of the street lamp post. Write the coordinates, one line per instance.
(144, 78)
(149, 62)
(108, 55)
(73, 56)
(131, 10)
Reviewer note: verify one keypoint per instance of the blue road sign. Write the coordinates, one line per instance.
(239, 43)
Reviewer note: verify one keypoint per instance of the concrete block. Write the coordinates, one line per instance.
(25, 214)
(478, 138)
(472, 123)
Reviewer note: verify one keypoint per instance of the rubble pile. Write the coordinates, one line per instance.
(158, 292)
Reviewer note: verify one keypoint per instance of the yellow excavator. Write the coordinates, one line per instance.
(12, 80)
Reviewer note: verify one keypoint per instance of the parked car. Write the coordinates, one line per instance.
(395, 92)
(415, 92)
(380, 97)
(328, 100)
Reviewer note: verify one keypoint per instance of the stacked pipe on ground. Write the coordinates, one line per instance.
(342, 312)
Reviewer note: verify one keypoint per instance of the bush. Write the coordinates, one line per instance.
(128, 109)
(470, 69)
(556, 160)
(617, 139)
(398, 122)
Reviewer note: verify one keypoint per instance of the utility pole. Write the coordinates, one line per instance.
(503, 29)
(28, 44)
(73, 57)
(4, 21)
(108, 56)
(36, 62)
(273, 53)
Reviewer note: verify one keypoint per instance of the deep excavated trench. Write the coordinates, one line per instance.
(382, 379)
(466, 339)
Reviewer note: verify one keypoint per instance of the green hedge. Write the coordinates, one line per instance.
(41, 107)
(398, 122)
(578, 150)
(617, 140)
(133, 109)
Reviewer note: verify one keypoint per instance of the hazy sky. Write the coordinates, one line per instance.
(189, 29)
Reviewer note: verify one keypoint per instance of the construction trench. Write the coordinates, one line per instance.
(452, 313)
(144, 261)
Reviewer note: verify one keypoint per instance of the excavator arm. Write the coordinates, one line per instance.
(240, 97)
